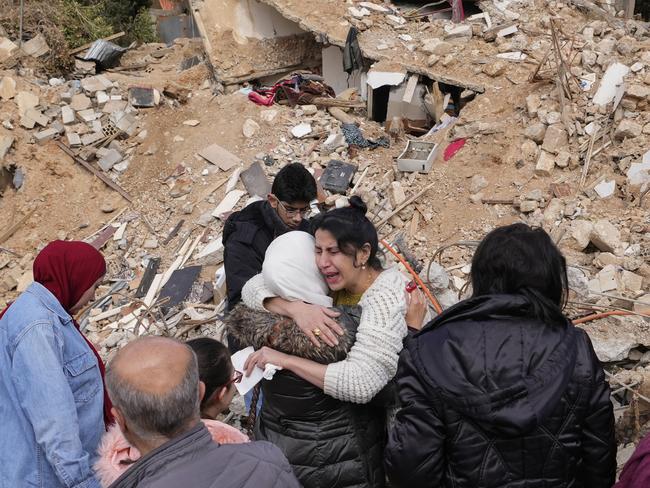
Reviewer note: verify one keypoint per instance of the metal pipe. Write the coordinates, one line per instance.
(20, 31)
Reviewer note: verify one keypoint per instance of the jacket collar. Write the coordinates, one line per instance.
(191, 441)
(49, 301)
(273, 221)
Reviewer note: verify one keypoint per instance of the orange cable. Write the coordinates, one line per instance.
(416, 277)
(602, 315)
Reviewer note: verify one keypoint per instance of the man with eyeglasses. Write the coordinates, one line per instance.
(248, 233)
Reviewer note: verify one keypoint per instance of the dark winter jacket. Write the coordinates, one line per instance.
(492, 397)
(246, 236)
(329, 443)
(195, 460)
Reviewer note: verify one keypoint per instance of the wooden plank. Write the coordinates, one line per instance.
(11, 230)
(105, 179)
(147, 279)
(86, 46)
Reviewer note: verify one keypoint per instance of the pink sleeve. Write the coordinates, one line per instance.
(224, 433)
(115, 456)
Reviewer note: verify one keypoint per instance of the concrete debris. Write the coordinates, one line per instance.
(627, 129)
(7, 88)
(36, 46)
(545, 164)
(110, 159)
(605, 236)
(250, 128)
(301, 130)
(26, 101)
(5, 144)
(477, 183)
(191, 122)
(80, 102)
(605, 189)
(555, 139)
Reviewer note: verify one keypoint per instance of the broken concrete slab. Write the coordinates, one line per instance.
(7, 88)
(639, 173)
(5, 144)
(220, 157)
(610, 83)
(45, 135)
(631, 332)
(110, 159)
(80, 102)
(25, 101)
(437, 46)
(36, 46)
(73, 139)
(579, 235)
(87, 115)
(114, 106)
(605, 189)
(67, 115)
(228, 203)
(255, 181)
(37, 117)
(7, 50)
(605, 236)
(88, 139)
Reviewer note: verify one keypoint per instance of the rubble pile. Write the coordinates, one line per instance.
(545, 119)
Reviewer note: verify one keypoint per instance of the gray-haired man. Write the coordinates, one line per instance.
(155, 388)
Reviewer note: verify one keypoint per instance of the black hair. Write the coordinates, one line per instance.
(294, 183)
(520, 260)
(351, 229)
(215, 367)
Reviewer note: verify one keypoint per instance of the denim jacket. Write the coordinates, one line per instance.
(51, 399)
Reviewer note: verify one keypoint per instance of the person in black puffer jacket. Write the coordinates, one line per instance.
(329, 443)
(501, 390)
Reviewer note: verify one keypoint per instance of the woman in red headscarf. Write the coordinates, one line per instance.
(52, 398)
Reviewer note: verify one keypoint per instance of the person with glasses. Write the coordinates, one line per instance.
(218, 375)
(248, 233)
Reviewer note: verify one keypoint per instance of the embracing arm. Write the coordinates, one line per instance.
(372, 361)
(40, 378)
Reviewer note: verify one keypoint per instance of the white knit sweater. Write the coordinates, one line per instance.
(372, 361)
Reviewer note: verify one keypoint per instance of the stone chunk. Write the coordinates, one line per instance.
(580, 234)
(396, 194)
(309, 109)
(640, 92)
(545, 164)
(536, 132)
(80, 102)
(477, 184)
(5, 144)
(110, 159)
(528, 206)
(250, 128)
(7, 88)
(607, 278)
(605, 236)
(627, 129)
(25, 101)
(631, 281)
(555, 139)
(37, 117)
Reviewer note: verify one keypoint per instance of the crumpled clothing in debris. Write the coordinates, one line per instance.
(354, 137)
(297, 90)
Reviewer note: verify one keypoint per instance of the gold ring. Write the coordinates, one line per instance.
(316, 332)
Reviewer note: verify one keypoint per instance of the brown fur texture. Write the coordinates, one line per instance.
(258, 329)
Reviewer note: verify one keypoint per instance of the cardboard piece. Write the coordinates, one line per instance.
(220, 157)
